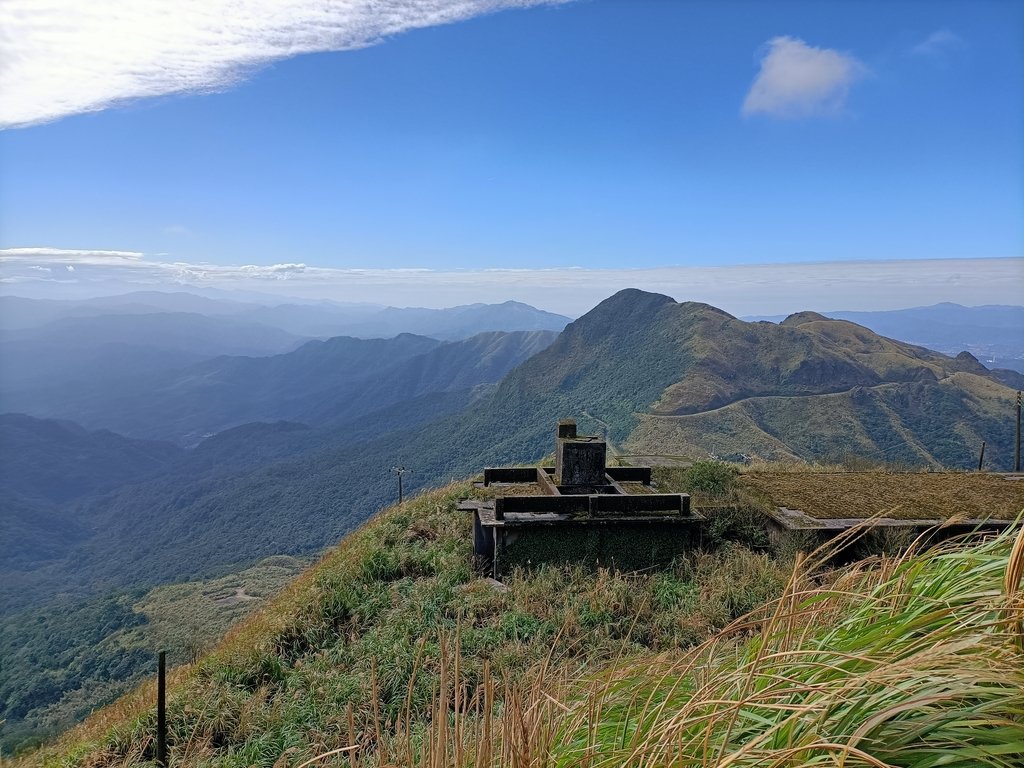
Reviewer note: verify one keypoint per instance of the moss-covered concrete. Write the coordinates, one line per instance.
(624, 546)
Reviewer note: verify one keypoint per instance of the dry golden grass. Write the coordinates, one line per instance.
(638, 488)
(514, 489)
(907, 496)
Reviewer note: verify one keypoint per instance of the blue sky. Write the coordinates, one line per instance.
(580, 136)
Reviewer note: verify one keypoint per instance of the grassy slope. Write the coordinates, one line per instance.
(362, 636)
(821, 389)
(391, 644)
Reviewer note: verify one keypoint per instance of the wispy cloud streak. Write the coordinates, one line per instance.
(937, 43)
(63, 57)
(69, 255)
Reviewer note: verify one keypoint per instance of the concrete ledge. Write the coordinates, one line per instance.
(796, 520)
(510, 475)
(594, 505)
(666, 503)
(630, 474)
(564, 505)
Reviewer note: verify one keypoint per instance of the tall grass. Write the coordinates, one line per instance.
(916, 661)
(908, 662)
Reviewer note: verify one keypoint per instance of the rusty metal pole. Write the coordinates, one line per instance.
(161, 711)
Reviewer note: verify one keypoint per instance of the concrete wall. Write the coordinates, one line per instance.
(624, 546)
(581, 462)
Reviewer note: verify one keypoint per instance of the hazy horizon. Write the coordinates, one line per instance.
(757, 289)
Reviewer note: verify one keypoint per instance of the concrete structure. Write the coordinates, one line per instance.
(855, 538)
(863, 513)
(579, 461)
(579, 511)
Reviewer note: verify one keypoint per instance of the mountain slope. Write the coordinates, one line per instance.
(79, 358)
(59, 461)
(45, 466)
(251, 491)
(368, 321)
(994, 333)
(821, 389)
(321, 383)
(461, 322)
(641, 365)
(391, 645)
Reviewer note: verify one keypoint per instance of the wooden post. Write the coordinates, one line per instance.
(1016, 443)
(161, 711)
(981, 458)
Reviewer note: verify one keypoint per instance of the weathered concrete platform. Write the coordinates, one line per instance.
(962, 504)
(578, 512)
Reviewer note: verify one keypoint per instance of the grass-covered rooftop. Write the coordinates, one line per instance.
(937, 496)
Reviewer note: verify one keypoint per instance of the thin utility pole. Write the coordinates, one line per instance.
(981, 458)
(399, 471)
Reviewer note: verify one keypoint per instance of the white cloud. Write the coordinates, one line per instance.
(753, 289)
(273, 272)
(938, 43)
(68, 255)
(63, 57)
(799, 80)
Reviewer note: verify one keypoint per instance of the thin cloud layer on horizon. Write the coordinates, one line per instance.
(63, 57)
(754, 289)
(798, 80)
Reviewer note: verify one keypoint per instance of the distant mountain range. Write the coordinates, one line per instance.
(322, 383)
(307, 320)
(312, 433)
(303, 442)
(85, 360)
(994, 334)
